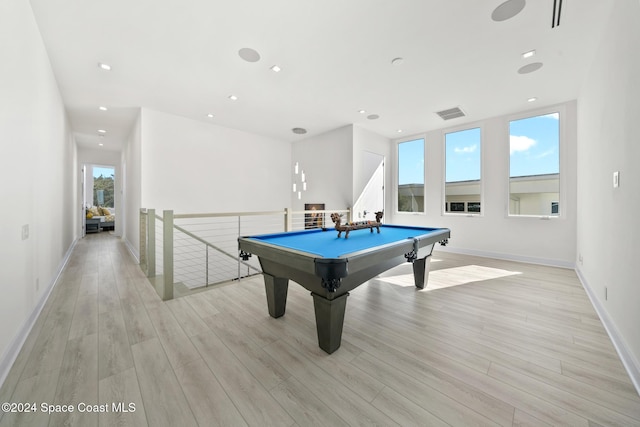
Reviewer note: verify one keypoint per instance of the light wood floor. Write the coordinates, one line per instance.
(487, 343)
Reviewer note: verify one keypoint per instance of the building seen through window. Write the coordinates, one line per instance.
(411, 176)
(462, 192)
(534, 165)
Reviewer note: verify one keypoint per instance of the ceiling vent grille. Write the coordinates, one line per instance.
(451, 113)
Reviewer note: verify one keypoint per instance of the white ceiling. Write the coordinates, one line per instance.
(181, 57)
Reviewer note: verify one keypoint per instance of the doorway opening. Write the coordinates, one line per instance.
(99, 197)
(371, 180)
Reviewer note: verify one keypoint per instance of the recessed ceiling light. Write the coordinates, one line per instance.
(249, 55)
(299, 131)
(397, 61)
(361, 111)
(102, 131)
(530, 68)
(529, 54)
(233, 97)
(399, 130)
(210, 115)
(508, 10)
(104, 66)
(373, 116)
(101, 108)
(101, 144)
(275, 69)
(533, 99)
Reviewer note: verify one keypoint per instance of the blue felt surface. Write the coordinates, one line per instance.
(326, 244)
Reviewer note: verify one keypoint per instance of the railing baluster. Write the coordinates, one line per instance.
(151, 243)
(167, 270)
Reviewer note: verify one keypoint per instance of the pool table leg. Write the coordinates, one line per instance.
(276, 289)
(421, 271)
(329, 320)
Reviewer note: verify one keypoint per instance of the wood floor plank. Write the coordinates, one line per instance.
(574, 403)
(35, 389)
(85, 316)
(175, 342)
(262, 366)
(346, 404)
(304, 406)
(253, 401)
(78, 383)
(186, 316)
(201, 306)
(114, 351)
(48, 351)
(207, 398)
(137, 322)
(438, 404)
(404, 411)
(120, 392)
(487, 342)
(164, 400)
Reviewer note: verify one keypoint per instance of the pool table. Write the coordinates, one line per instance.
(330, 266)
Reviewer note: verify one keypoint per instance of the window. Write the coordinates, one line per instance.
(534, 165)
(457, 206)
(473, 207)
(411, 176)
(103, 186)
(462, 171)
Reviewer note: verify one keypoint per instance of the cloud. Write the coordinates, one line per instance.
(545, 154)
(554, 116)
(466, 150)
(520, 143)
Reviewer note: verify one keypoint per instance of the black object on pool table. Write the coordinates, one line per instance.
(337, 220)
(330, 267)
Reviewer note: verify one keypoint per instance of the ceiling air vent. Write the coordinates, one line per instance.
(451, 113)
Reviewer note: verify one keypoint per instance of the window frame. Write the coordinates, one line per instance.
(562, 164)
(412, 138)
(443, 208)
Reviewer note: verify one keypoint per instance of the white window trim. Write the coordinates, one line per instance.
(468, 126)
(396, 176)
(562, 199)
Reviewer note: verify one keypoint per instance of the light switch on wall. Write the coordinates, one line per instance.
(25, 232)
(616, 179)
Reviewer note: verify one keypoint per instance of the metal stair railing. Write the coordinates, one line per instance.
(183, 267)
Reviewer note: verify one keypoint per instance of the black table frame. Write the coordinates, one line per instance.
(330, 279)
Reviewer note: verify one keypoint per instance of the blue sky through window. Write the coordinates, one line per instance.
(534, 145)
(411, 162)
(105, 172)
(463, 155)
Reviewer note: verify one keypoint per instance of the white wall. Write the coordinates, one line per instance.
(327, 161)
(334, 166)
(38, 177)
(131, 187)
(608, 232)
(494, 233)
(191, 166)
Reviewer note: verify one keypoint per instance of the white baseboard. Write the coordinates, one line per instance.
(508, 257)
(10, 355)
(629, 361)
(132, 250)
